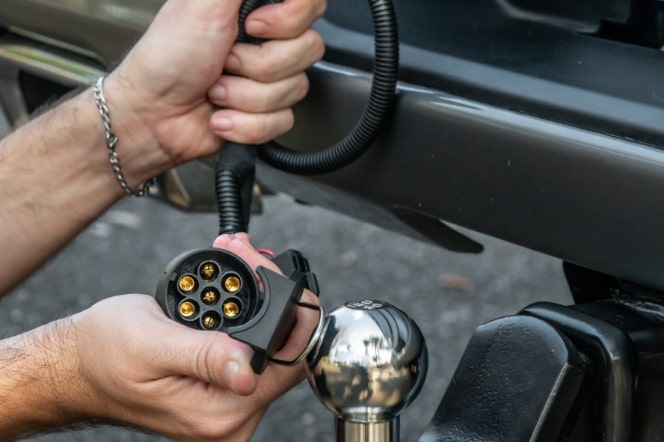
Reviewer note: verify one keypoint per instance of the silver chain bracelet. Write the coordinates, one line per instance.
(112, 141)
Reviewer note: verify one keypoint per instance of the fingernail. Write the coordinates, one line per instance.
(238, 372)
(257, 28)
(236, 360)
(231, 370)
(223, 124)
(218, 93)
(267, 253)
(233, 62)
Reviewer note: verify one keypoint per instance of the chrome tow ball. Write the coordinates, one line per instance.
(369, 363)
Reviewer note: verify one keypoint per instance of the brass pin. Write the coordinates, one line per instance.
(209, 322)
(187, 283)
(209, 271)
(231, 309)
(232, 284)
(187, 309)
(210, 296)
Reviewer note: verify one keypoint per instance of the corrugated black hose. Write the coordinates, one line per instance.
(233, 207)
(234, 182)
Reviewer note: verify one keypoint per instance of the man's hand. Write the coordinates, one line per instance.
(124, 361)
(174, 87)
(170, 101)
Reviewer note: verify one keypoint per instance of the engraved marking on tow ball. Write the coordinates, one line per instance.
(365, 305)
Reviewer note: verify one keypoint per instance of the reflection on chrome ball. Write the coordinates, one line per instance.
(370, 361)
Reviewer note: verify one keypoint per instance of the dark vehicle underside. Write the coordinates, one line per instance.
(536, 122)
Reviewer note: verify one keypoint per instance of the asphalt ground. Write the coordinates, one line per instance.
(447, 294)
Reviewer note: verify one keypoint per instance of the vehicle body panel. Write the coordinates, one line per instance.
(104, 28)
(523, 126)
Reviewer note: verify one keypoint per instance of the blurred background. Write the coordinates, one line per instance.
(447, 294)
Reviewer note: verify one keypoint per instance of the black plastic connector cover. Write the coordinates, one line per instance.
(213, 289)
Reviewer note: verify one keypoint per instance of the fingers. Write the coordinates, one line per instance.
(248, 95)
(247, 128)
(240, 244)
(277, 379)
(284, 20)
(268, 79)
(257, 108)
(307, 319)
(275, 59)
(253, 112)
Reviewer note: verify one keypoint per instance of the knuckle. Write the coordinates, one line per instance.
(266, 127)
(272, 72)
(302, 87)
(315, 43)
(264, 103)
(266, 69)
(259, 131)
(321, 49)
(321, 7)
(221, 242)
(239, 247)
(290, 22)
(289, 120)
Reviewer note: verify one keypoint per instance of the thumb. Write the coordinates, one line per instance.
(211, 357)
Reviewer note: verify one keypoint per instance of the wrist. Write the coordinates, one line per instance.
(138, 151)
